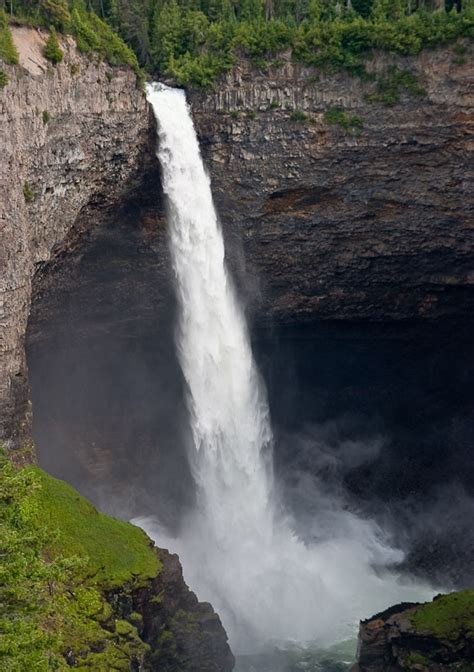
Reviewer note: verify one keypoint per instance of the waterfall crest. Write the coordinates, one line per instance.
(238, 547)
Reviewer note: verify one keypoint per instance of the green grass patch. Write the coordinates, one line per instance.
(4, 79)
(338, 116)
(116, 551)
(448, 616)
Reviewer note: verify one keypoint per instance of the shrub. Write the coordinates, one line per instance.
(392, 83)
(58, 556)
(8, 51)
(298, 115)
(46, 117)
(28, 192)
(52, 51)
(338, 116)
(4, 79)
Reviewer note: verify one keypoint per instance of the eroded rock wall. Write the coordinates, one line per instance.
(72, 136)
(373, 224)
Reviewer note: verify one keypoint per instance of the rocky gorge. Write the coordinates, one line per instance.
(346, 220)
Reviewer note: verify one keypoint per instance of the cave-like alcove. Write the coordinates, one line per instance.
(107, 391)
(380, 411)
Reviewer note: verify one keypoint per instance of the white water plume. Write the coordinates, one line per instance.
(238, 547)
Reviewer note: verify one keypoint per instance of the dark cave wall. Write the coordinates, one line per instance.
(384, 415)
(108, 394)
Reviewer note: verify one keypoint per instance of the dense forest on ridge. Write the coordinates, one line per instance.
(194, 41)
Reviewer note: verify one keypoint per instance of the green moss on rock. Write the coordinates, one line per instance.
(116, 551)
(448, 616)
(59, 558)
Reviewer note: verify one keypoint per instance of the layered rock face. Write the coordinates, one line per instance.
(369, 224)
(73, 136)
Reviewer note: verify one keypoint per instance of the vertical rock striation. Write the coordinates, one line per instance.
(73, 136)
(373, 222)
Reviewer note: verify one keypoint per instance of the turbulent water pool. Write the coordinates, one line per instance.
(337, 658)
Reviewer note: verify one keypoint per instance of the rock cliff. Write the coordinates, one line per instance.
(370, 222)
(434, 637)
(72, 136)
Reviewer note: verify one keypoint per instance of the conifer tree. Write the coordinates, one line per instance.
(8, 51)
(52, 51)
(56, 12)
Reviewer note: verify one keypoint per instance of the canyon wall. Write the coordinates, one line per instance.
(373, 222)
(73, 136)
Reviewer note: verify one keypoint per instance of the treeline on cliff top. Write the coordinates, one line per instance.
(194, 41)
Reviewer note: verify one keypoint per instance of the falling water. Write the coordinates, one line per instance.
(238, 547)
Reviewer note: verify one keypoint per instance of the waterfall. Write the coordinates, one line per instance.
(238, 547)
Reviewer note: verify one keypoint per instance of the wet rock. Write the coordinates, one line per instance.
(433, 637)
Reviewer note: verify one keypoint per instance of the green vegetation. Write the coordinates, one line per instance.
(52, 51)
(28, 193)
(416, 658)
(57, 557)
(448, 616)
(8, 52)
(116, 550)
(93, 35)
(349, 122)
(391, 84)
(4, 79)
(298, 115)
(46, 117)
(194, 41)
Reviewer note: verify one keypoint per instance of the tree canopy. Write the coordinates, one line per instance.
(196, 40)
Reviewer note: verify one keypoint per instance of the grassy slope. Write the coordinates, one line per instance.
(117, 551)
(448, 616)
(58, 558)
